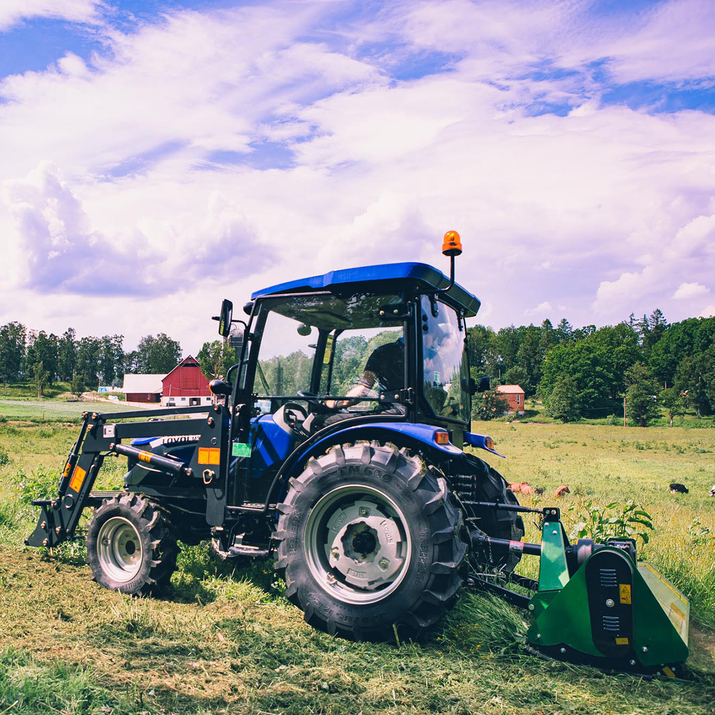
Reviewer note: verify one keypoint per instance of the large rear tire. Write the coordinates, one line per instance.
(131, 545)
(370, 539)
(490, 486)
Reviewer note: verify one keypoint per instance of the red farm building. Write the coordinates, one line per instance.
(142, 388)
(186, 385)
(514, 395)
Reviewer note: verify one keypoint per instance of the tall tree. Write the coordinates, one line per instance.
(641, 394)
(88, 356)
(12, 351)
(563, 403)
(692, 381)
(40, 376)
(66, 355)
(111, 359)
(650, 330)
(215, 359)
(43, 348)
(157, 354)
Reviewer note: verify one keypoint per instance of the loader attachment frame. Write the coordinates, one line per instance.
(103, 434)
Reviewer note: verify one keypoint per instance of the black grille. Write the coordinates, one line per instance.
(608, 578)
(612, 624)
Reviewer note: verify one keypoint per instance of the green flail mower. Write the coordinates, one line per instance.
(596, 603)
(353, 474)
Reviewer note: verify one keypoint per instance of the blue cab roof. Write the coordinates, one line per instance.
(379, 278)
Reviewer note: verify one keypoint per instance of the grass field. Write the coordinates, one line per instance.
(54, 410)
(225, 640)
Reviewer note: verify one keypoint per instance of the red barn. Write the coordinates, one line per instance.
(514, 395)
(186, 385)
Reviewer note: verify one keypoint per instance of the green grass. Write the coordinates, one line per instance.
(224, 639)
(54, 410)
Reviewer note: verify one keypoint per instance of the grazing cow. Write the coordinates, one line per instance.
(676, 488)
(521, 488)
(562, 491)
(538, 490)
(712, 491)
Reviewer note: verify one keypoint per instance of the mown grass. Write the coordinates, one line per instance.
(224, 639)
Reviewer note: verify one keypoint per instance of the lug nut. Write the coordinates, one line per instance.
(364, 511)
(384, 563)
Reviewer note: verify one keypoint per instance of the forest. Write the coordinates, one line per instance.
(577, 372)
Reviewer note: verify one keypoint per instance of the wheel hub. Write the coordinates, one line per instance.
(119, 549)
(365, 545)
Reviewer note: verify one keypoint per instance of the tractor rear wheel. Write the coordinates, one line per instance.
(131, 545)
(370, 539)
(497, 523)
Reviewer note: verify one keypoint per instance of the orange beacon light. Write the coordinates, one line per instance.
(452, 244)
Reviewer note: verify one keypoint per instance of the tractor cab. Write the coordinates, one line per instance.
(385, 342)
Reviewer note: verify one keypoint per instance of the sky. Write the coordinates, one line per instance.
(156, 156)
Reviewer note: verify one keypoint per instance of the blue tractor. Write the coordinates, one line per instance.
(336, 446)
(342, 459)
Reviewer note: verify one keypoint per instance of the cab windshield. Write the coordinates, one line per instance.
(445, 367)
(326, 345)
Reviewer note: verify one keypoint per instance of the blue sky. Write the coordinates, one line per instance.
(163, 155)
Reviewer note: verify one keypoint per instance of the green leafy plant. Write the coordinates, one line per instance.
(40, 484)
(617, 520)
(700, 534)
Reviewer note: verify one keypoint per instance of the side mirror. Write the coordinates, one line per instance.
(224, 324)
(219, 387)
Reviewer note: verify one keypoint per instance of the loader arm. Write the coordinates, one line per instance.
(103, 434)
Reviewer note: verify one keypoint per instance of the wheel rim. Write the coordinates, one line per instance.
(358, 544)
(119, 549)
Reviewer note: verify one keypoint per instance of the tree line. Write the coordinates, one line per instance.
(45, 358)
(587, 372)
(577, 372)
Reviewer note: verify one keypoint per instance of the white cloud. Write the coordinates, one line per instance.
(689, 290)
(540, 310)
(14, 11)
(160, 145)
(708, 312)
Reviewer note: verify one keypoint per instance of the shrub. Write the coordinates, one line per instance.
(4, 457)
(492, 405)
(616, 520)
(41, 484)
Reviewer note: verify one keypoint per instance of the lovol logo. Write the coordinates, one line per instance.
(176, 439)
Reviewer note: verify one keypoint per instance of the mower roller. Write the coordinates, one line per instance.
(351, 472)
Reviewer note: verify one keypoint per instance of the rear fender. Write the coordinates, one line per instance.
(417, 437)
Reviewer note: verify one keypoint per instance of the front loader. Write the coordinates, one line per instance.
(355, 479)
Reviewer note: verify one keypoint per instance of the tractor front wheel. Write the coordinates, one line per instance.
(131, 545)
(370, 539)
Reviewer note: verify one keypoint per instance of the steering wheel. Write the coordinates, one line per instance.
(318, 404)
